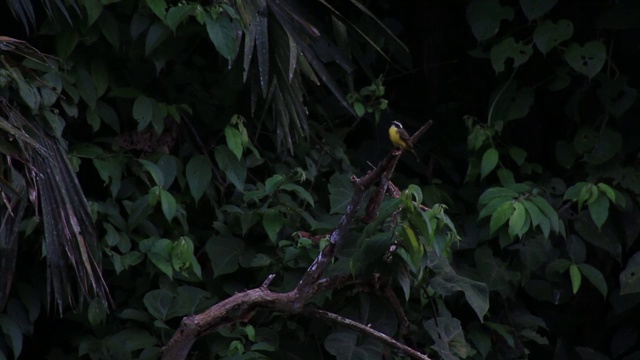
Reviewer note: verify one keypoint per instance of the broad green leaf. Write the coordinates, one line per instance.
(272, 222)
(588, 59)
(496, 192)
(565, 154)
(533, 9)
(616, 96)
(182, 253)
(340, 191)
(108, 115)
(509, 49)
(94, 9)
(168, 204)
(168, 165)
(599, 210)
(517, 219)
(517, 154)
(86, 86)
(177, 14)
(484, 17)
(224, 253)
(96, 313)
(143, 111)
(110, 29)
(234, 140)
(548, 35)
(225, 35)
(630, 276)
(595, 277)
(607, 145)
(273, 183)
(12, 334)
(65, 43)
(491, 207)
(157, 33)
(198, 173)
(576, 277)
(158, 303)
(574, 191)
(550, 212)
(489, 162)
(537, 218)
(607, 190)
(500, 216)
(302, 193)
(159, 7)
(154, 170)
(476, 293)
(235, 170)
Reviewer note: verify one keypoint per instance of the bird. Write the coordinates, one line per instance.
(400, 138)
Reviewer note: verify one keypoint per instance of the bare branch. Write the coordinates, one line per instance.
(365, 330)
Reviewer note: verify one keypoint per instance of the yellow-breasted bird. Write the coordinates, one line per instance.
(400, 138)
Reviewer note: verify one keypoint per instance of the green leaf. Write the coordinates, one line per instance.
(496, 192)
(550, 212)
(198, 173)
(224, 253)
(177, 14)
(159, 7)
(508, 48)
(96, 312)
(491, 207)
(537, 218)
(158, 303)
(565, 154)
(154, 170)
(235, 170)
(607, 190)
(234, 140)
(65, 43)
(168, 204)
(476, 293)
(272, 221)
(607, 145)
(157, 33)
(595, 277)
(500, 216)
(28, 94)
(94, 8)
(616, 96)
(630, 276)
(302, 193)
(599, 210)
(86, 87)
(588, 59)
(225, 35)
(110, 29)
(534, 9)
(548, 35)
(517, 154)
(182, 253)
(12, 333)
(143, 111)
(168, 165)
(576, 277)
(489, 162)
(340, 192)
(484, 17)
(517, 219)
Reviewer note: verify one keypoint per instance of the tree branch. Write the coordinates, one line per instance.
(365, 330)
(241, 306)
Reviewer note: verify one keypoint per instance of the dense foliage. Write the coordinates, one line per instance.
(214, 145)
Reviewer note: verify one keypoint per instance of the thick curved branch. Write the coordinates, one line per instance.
(241, 306)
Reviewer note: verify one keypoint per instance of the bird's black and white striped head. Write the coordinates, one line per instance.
(396, 124)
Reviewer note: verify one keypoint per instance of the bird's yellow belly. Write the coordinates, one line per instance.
(394, 135)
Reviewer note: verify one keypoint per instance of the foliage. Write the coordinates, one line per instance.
(210, 158)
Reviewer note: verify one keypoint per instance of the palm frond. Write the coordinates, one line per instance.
(24, 10)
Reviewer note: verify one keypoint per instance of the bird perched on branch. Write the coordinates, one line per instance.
(400, 138)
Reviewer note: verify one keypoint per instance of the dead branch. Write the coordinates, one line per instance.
(365, 330)
(242, 305)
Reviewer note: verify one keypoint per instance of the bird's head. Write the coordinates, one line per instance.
(396, 124)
